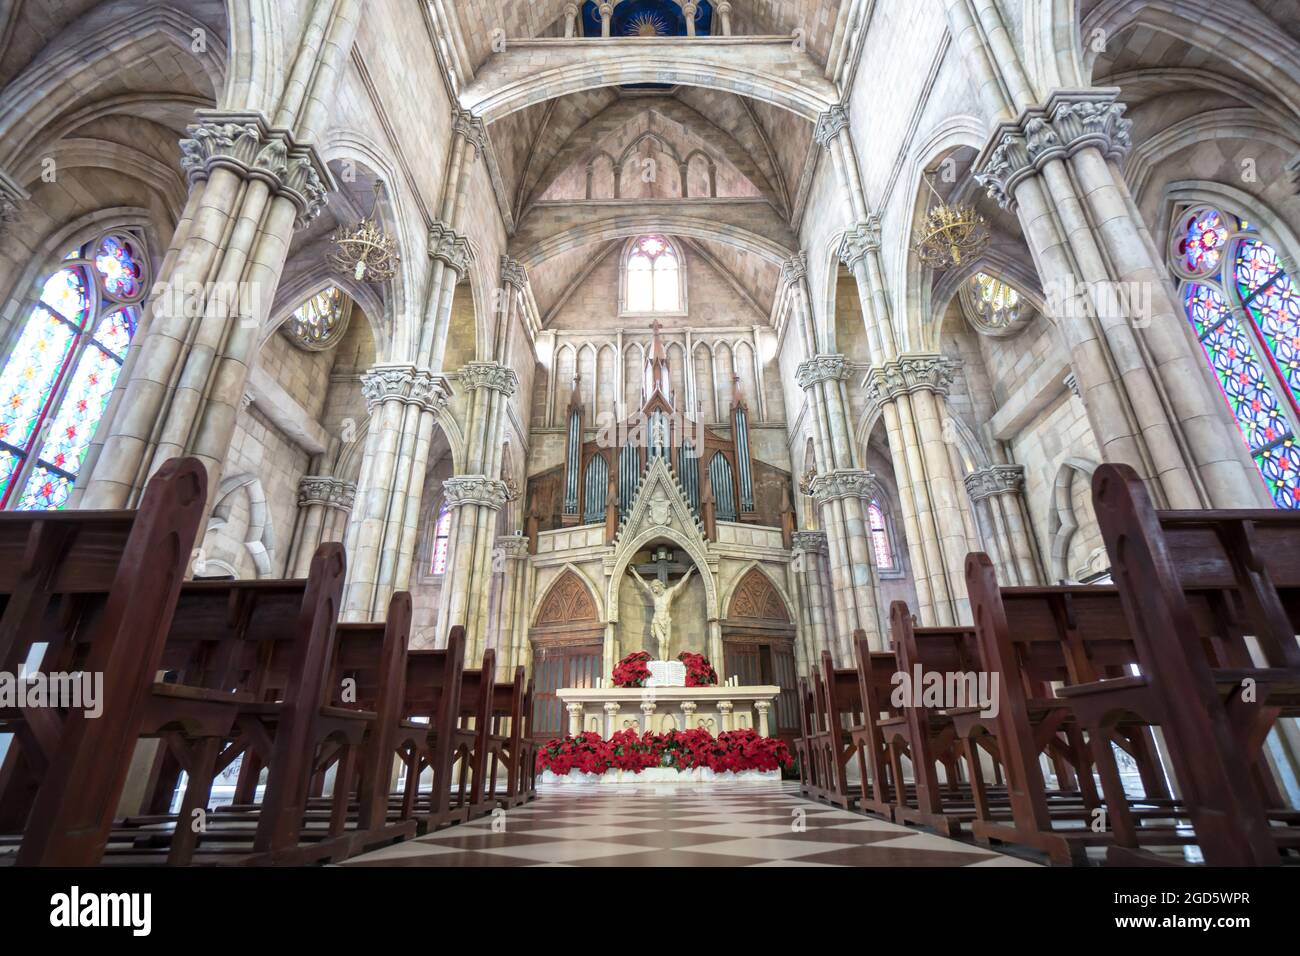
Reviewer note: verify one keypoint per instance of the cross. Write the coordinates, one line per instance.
(662, 564)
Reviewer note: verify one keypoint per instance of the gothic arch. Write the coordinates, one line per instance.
(570, 600)
(756, 597)
(259, 540)
(1063, 522)
(536, 71)
(256, 71)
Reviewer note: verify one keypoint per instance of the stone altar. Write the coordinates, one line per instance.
(607, 710)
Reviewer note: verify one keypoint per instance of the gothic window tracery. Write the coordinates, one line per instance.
(652, 277)
(320, 322)
(61, 371)
(1244, 311)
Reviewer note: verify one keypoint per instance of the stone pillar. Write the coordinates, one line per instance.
(403, 401)
(839, 490)
(570, 20)
(474, 501)
(324, 505)
(575, 719)
(911, 393)
(253, 180)
(606, 18)
(648, 709)
(810, 550)
(725, 707)
(689, 10)
(724, 12)
(717, 652)
(688, 711)
(762, 706)
(997, 492)
(611, 718)
(510, 559)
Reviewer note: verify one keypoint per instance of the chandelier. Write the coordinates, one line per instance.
(950, 234)
(364, 249)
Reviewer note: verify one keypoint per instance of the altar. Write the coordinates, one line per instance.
(607, 710)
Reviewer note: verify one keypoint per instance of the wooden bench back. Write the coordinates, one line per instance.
(74, 807)
(842, 696)
(433, 682)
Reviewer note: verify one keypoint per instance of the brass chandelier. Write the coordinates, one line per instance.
(364, 249)
(950, 234)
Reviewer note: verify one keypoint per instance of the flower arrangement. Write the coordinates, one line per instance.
(733, 751)
(633, 670)
(699, 672)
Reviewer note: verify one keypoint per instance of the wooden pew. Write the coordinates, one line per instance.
(1034, 638)
(472, 737)
(803, 749)
(1194, 586)
(433, 688)
(839, 708)
(100, 589)
(879, 785)
(508, 743)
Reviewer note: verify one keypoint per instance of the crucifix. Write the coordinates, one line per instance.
(663, 563)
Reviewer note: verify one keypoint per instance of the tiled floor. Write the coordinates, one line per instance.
(674, 825)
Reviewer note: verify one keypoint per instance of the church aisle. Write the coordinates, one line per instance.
(737, 825)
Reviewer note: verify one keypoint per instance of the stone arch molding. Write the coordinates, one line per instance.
(627, 227)
(660, 510)
(756, 567)
(1063, 521)
(528, 72)
(260, 539)
(570, 578)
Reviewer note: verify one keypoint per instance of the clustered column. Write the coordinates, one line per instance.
(810, 550)
(253, 180)
(997, 492)
(324, 505)
(403, 402)
(1056, 164)
(513, 603)
(911, 393)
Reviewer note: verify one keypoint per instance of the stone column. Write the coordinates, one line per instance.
(810, 550)
(1057, 166)
(838, 490)
(688, 711)
(606, 18)
(689, 10)
(403, 401)
(510, 559)
(911, 393)
(324, 505)
(611, 718)
(725, 707)
(648, 709)
(474, 501)
(575, 719)
(997, 492)
(570, 20)
(724, 12)
(762, 706)
(253, 180)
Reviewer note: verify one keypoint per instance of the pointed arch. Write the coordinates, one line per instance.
(756, 597)
(571, 600)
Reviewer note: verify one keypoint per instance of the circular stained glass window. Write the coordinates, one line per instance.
(319, 322)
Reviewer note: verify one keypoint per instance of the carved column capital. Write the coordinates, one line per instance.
(449, 246)
(511, 547)
(860, 242)
(330, 492)
(822, 368)
(404, 383)
(995, 480)
(810, 542)
(513, 273)
(11, 197)
(845, 483)
(475, 490)
(910, 373)
(830, 124)
(1070, 121)
(246, 144)
(470, 128)
(493, 375)
(795, 269)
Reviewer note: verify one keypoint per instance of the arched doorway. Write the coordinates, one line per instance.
(568, 641)
(758, 639)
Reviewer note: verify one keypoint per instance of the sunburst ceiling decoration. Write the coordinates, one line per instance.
(647, 25)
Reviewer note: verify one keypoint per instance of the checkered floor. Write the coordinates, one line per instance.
(676, 825)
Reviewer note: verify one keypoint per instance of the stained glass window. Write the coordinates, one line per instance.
(441, 537)
(320, 321)
(1242, 305)
(653, 277)
(880, 545)
(57, 380)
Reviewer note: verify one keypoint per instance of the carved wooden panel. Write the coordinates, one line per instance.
(757, 599)
(567, 602)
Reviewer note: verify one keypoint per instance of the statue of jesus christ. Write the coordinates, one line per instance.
(661, 626)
